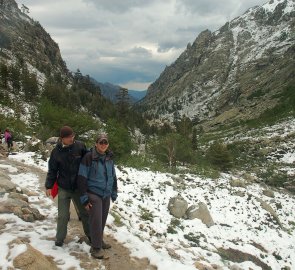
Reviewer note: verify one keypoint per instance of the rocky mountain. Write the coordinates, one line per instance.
(233, 74)
(23, 38)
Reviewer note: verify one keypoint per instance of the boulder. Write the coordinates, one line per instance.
(270, 210)
(6, 184)
(238, 256)
(203, 266)
(18, 196)
(268, 193)
(201, 212)
(52, 140)
(237, 183)
(21, 209)
(177, 206)
(33, 259)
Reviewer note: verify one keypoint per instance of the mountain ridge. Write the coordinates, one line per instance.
(215, 79)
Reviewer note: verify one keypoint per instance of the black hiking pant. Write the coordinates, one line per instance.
(98, 214)
(9, 143)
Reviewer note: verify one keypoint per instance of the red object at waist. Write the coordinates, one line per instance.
(54, 190)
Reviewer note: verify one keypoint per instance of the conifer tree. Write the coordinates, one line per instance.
(122, 103)
(29, 85)
(4, 74)
(14, 76)
(194, 139)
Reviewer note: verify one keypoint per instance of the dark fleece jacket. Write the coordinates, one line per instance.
(63, 165)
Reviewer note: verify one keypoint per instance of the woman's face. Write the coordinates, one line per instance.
(102, 146)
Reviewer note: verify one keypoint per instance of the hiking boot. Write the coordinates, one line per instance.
(105, 245)
(59, 243)
(97, 253)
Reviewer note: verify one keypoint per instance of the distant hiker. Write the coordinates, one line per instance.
(8, 139)
(63, 167)
(97, 183)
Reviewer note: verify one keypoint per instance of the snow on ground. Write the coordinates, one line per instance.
(40, 231)
(239, 220)
(142, 207)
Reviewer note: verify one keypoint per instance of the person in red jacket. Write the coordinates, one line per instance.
(8, 138)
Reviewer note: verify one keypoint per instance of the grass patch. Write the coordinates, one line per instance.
(117, 220)
(145, 214)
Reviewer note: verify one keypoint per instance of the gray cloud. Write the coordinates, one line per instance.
(129, 41)
(119, 6)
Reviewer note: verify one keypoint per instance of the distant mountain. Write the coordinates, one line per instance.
(233, 74)
(110, 91)
(138, 95)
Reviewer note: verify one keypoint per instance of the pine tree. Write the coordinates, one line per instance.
(29, 85)
(184, 126)
(4, 74)
(14, 76)
(220, 156)
(122, 103)
(194, 139)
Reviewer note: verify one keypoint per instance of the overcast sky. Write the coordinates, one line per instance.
(129, 42)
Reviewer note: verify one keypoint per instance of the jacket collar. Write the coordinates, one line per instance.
(97, 156)
(62, 148)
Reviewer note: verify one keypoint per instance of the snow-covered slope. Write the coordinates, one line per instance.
(231, 74)
(246, 233)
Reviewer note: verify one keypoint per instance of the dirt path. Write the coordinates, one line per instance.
(119, 256)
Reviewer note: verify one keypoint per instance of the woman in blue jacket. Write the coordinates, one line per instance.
(97, 183)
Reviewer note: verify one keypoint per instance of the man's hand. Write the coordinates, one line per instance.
(48, 192)
(88, 206)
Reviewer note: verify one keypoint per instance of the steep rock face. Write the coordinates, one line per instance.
(232, 74)
(27, 40)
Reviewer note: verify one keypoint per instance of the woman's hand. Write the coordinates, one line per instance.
(88, 206)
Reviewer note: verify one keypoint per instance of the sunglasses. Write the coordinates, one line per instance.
(104, 142)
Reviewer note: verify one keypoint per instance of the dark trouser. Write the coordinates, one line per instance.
(64, 201)
(9, 143)
(98, 214)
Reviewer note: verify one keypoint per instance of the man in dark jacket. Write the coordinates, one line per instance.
(63, 167)
(97, 182)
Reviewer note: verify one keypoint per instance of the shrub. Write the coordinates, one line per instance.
(53, 117)
(219, 156)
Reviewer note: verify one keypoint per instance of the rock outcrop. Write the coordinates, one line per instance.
(233, 74)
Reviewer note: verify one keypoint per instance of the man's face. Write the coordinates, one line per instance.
(102, 146)
(68, 140)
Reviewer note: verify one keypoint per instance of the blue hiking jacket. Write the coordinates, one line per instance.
(97, 175)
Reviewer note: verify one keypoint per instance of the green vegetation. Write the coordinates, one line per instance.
(145, 214)
(284, 108)
(219, 156)
(117, 218)
(52, 117)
